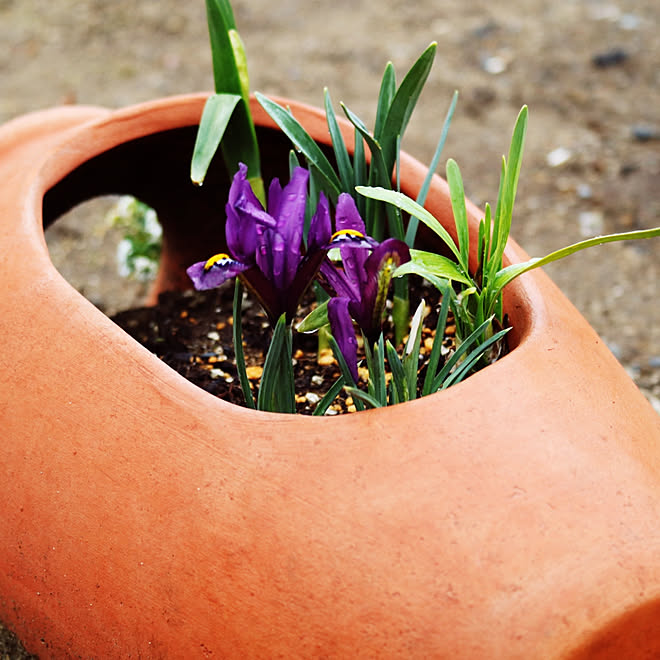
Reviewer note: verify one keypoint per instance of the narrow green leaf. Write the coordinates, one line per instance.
(375, 148)
(411, 231)
(509, 273)
(385, 96)
(230, 75)
(275, 390)
(215, 118)
(399, 381)
(403, 104)
(457, 194)
(360, 172)
(459, 353)
(414, 209)
(316, 319)
(376, 366)
(361, 396)
(423, 263)
(511, 172)
(323, 405)
(436, 351)
(237, 331)
(302, 141)
(343, 368)
(220, 20)
(400, 309)
(344, 166)
(377, 175)
(471, 359)
(411, 358)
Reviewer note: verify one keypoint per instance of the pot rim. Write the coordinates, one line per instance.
(523, 298)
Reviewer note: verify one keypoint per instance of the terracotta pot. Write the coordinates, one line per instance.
(516, 515)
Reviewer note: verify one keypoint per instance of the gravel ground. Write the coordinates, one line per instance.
(588, 69)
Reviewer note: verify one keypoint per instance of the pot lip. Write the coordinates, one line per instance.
(527, 297)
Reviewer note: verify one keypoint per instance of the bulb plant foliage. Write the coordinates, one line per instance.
(345, 229)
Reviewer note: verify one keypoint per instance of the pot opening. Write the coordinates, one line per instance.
(118, 195)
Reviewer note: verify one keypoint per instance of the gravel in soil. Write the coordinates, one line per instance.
(192, 332)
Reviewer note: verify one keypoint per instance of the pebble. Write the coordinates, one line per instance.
(254, 372)
(654, 362)
(494, 64)
(629, 22)
(213, 335)
(611, 57)
(591, 223)
(584, 191)
(643, 133)
(325, 357)
(558, 156)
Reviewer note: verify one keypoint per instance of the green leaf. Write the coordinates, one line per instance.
(378, 174)
(471, 359)
(399, 381)
(302, 141)
(220, 19)
(403, 104)
(472, 339)
(276, 388)
(237, 330)
(385, 96)
(457, 194)
(436, 351)
(344, 166)
(424, 263)
(378, 171)
(323, 405)
(360, 172)
(215, 118)
(509, 273)
(376, 365)
(411, 231)
(316, 319)
(508, 187)
(411, 357)
(230, 75)
(408, 205)
(361, 396)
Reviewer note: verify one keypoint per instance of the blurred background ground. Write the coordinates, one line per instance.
(588, 69)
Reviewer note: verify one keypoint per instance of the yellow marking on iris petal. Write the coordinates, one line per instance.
(349, 234)
(217, 259)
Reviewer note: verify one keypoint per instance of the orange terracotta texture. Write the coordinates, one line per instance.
(515, 515)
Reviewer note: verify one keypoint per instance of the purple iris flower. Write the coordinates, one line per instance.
(265, 246)
(361, 286)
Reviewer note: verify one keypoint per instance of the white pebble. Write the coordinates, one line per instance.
(312, 397)
(591, 223)
(494, 65)
(558, 156)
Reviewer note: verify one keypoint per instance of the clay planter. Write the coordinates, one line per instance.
(516, 515)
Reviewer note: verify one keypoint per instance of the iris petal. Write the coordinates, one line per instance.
(320, 227)
(213, 272)
(379, 268)
(341, 326)
(239, 229)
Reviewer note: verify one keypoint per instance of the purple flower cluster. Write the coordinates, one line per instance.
(266, 251)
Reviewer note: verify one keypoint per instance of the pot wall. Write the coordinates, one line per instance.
(514, 515)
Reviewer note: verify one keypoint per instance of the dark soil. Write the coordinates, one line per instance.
(192, 333)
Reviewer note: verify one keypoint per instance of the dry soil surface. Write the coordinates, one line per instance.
(588, 69)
